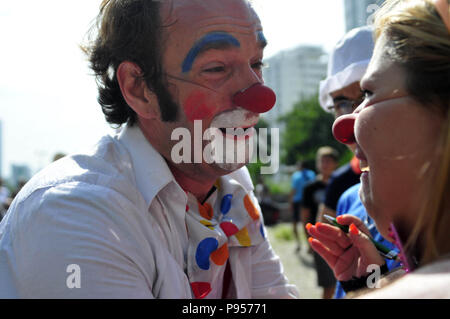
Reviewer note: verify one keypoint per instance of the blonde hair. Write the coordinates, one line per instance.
(419, 41)
(435, 213)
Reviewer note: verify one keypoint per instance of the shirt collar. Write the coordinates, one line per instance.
(150, 169)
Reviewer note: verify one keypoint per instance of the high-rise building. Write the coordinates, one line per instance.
(294, 75)
(20, 173)
(359, 13)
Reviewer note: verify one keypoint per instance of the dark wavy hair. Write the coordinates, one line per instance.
(128, 30)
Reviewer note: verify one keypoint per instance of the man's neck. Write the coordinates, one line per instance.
(199, 189)
(195, 186)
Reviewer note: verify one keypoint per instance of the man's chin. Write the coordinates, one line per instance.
(228, 167)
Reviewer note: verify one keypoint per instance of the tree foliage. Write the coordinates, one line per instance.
(255, 168)
(308, 127)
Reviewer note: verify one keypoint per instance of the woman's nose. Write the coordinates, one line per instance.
(343, 128)
(258, 98)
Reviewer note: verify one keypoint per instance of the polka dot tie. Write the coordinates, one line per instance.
(229, 218)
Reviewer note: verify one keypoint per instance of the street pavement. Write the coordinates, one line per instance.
(298, 266)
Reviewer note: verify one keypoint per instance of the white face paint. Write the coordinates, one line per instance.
(231, 134)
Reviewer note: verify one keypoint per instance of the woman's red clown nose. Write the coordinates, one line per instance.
(258, 98)
(343, 129)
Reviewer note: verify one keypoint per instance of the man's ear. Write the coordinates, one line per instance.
(135, 91)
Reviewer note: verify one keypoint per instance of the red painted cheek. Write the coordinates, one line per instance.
(196, 108)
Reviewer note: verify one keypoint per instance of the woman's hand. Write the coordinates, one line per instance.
(348, 255)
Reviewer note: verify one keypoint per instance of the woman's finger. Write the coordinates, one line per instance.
(328, 233)
(367, 250)
(343, 266)
(347, 219)
(323, 251)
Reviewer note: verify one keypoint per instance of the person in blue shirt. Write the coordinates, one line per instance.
(298, 181)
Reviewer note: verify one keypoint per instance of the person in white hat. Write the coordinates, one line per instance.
(340, 91)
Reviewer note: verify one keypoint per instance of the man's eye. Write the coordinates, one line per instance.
(216, 69)
(258, 65)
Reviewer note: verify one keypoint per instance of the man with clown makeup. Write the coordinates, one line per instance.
(126, 220)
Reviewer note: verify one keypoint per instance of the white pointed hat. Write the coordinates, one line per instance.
(348, 63)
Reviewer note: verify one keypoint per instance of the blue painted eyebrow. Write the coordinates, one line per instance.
(215, 40)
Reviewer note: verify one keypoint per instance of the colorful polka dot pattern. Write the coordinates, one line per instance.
(235, 211)
(261, 230)
(220, 256)
(209, 246)
(204, 250)
(229, 228)
(225, 204)
(243, 237)
(205, 210)
(201, 289)
(250, 208)
(207, 223)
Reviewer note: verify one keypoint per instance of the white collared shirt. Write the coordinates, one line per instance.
(111, 224)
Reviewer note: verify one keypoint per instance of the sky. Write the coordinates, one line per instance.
(48, 94)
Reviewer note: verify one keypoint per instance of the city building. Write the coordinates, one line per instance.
(294, 75)
(20, 173)
(359, 13)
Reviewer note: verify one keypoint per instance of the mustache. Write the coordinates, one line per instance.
(235, 118)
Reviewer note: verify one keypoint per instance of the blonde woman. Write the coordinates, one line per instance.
(402, 132)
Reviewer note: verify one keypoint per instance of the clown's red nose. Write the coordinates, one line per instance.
(257, 98)
(343, 129)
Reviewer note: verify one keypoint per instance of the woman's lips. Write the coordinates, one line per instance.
(364, 169)
(363, 163)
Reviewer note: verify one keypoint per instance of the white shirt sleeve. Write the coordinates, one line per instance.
(81, 242)
(268, 279)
